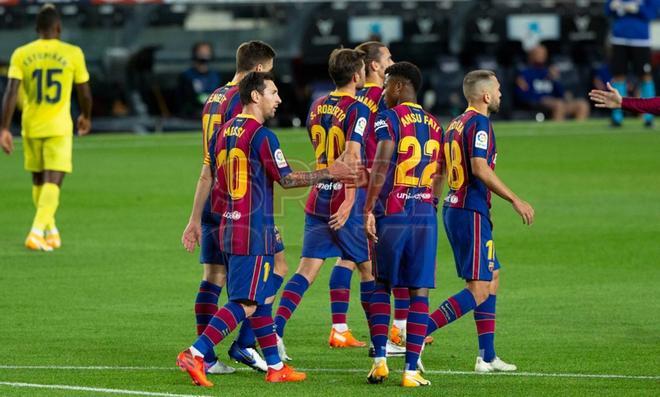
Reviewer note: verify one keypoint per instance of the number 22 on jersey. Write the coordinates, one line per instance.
(404, 174)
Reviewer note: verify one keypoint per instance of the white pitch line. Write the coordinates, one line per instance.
(351, 370)
(95, 389)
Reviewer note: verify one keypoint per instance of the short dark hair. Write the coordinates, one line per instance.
(47, 18)
(343, 64)
(407, 71)
(252, 53)
(251, 82)
(371, 51)
(473, 79)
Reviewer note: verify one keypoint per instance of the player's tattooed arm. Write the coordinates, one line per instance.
(339, 170)
(301, 178)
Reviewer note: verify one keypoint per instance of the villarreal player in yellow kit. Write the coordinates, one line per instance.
(45, 70)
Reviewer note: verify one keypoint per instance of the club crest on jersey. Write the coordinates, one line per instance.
(481, 140)
(279, 158)
(233, 215)
(360, 125)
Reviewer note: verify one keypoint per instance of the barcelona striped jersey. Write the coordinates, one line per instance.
(333, 120)
(221, 106)
(415, 160)
(372, 96)
(247, 159)
(469, 135)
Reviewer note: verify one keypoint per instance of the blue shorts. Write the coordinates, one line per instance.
(406, 248)
(471, 238)
(210, 245)
(249, 277)
(348, 243)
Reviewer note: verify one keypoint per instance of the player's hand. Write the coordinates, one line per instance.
(191, 236)
(84, 125)
(6, 141)
(631, 7)
(339, 218)
(610, 99)
(524, 210)
(342, 172)
(370, 226)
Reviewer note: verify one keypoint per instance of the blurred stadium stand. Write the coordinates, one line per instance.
(136, 49)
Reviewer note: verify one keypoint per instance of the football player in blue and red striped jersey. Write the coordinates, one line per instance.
(377, 59)
(223, 104)
(469, 161)
(336, 124)
(400, 215)
(248, 160)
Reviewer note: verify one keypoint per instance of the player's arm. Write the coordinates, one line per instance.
(351, 157)
(482, 170)
(8, 108)
(339, 170)
(381, 164)
(193, 231)
(84, 122)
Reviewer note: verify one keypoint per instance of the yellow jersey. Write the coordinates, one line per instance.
(47, 70)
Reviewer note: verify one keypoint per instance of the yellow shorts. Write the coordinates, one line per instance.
(50, 153)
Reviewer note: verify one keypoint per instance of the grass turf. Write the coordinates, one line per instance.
(578, 294)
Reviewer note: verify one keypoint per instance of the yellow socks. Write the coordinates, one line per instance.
(47, 199)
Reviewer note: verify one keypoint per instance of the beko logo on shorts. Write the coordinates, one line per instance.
(329, 186)
(233, 215)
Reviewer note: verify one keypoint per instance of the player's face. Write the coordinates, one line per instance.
(391, 92)
(385, 61)
(495, 96)
(269, 100)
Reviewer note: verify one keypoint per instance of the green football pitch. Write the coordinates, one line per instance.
(578, 308)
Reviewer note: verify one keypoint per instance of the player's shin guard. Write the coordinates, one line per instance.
(340, 293)
(617, 114)
(418, 317)
(450, 310)
(366, 289)
(291, 297)
(206, 305)
(225, 320)
(401, 303)
(484, 318)
(380, 318)
(262, 324)
(647, 90)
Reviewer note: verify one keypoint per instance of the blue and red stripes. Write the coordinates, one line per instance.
(451, 309)
(291, 297)
(484, 318)
(379, 319)
(262, 324)
(418, 316)
(223, 322)
(476, 249)
(340, 293)
(401, 303)
(206, 304)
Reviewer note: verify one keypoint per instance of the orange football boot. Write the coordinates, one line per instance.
(36, 242)
(53, 239)
(194, 366)
(397, 336)
(344, 339)
(286, 374)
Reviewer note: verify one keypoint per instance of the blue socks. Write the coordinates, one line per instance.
(647, 90)
(484, 318)
(451, 309)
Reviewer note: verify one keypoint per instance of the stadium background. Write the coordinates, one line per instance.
(136, 49)
(108, 312)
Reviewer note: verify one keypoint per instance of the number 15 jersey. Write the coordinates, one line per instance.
(47, 70)
(468, 135)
